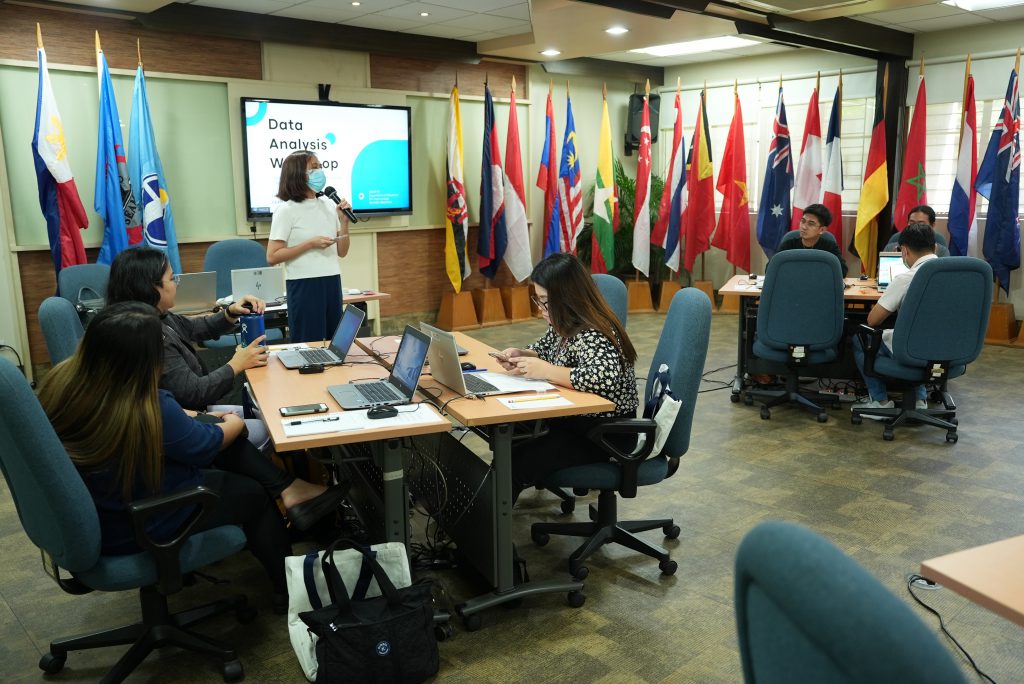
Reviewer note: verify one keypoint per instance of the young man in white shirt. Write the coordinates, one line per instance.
(917, 244)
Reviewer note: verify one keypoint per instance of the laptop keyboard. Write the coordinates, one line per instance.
(475, 385)
(376, 391)
(317, 356)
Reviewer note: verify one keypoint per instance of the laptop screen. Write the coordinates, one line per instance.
(412, 352)
(347, 330)
(890, 265)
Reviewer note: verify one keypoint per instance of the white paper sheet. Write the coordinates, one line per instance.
(348, 421)
(510, 383)
(534, 401)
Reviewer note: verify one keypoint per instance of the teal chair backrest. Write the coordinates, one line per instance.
(227, 255)
(84, 281)
(614, 292)
(62, 328)
(801, 301)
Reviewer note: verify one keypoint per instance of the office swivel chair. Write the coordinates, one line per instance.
(805, 612)
(799, 324)
(62, 328)
(683, 347)
(59, 516)
(941, 246)
(940, 328)
(84, 285)
(225, 256)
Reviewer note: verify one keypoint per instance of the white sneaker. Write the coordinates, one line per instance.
(875, 405)
(921, 405)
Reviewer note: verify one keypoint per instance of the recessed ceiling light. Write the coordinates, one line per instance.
(697, 46)
(551, 52)
(616, 30)
(424, 14)
(356, 4)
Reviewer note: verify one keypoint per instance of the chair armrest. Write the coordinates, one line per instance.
(166, 553)
(629, 462)
(871, 341)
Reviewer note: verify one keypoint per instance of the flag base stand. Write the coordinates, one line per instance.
(668, 291)
(1002, 325)
(516, 300)
(457, 312)
(708, 288)
(639, 296)
(489, 309)
(730, 304)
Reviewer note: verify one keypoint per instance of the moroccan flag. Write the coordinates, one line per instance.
(547, 180)
(570, 186)
(147, 174)
(874, 194)
(807, 188)
(733, 233)
(773, 214)
(517, 255)
(606, 202)
(699, 216)
(667, 230)
(912, 191)
(58, 195)
(641, 204)
(832, 178)
(998, 181)
(456, 215)
(963, 229)
(113, 200)
(492, 238)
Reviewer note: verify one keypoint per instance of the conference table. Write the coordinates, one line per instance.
(277, 314)
(859, 295)
(989, 575)
(482, 528)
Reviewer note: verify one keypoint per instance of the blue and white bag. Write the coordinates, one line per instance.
(663, 407)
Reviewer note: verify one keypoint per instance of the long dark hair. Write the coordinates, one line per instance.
(294, 184)
(135, 276)
(575, 303)
(102, 401)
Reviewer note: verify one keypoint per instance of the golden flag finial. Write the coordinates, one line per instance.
(138, 49)
(551, 86)
(647, 88)
(920, 71)
(39, 37)
(679, 85)
(817, 82)
(98, 48)
(513, 84)
(604, 91)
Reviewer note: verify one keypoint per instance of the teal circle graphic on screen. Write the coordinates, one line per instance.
(380, 176)
(257, 116)
(330, 138)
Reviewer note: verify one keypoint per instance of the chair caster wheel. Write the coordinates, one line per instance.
(668, 567)
(540, 538)
(233, 671)
(52, 664)
(951, 437)
(765, 413)
(748, 400)
(580, 491)
(577, 599)
(568, 506)
(822, 417)
(887, 434)
(472, 622)
(856, 419)
(734, 398)
(245, 614)
(671, 531)
(443, 632)
(579, 572)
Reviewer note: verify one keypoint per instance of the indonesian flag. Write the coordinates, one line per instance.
(912, 191)
(517, 253)
(963, 228)
(832, 181)
(667, 230)
(807, 188)
(641, 206)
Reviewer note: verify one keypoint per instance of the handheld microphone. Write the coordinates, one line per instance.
(332, 194)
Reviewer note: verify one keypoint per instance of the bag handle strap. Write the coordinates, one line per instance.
(336, 585)
(307, 577)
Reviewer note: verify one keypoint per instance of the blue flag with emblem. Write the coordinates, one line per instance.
(773, 216)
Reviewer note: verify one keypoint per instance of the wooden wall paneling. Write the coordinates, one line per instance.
(429, 76)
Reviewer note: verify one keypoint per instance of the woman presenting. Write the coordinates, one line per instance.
(309, 234)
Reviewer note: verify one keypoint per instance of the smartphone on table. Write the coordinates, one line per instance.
(499, 356)
(303, 409)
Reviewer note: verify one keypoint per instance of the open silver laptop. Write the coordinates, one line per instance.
(265, 283)
(399, 386)
(196, 292)
(446, 369)
(335, 353)
(890, 265)
(430, 330)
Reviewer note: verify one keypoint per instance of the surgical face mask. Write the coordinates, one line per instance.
(316, 180)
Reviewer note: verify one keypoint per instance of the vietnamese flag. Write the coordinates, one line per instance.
(733, 233)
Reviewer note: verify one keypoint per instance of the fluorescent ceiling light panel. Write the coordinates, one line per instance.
(693, 47)
(551, 52)
(982, 5)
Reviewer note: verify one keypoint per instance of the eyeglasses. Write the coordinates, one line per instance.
(809, 223)
(176, 278)
(542, 305)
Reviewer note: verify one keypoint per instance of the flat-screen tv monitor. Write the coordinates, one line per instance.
(365, 151)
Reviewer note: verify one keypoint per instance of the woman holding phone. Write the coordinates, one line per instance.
(585, 348)
(308, 234)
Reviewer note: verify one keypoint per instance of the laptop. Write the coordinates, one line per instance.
(265, 283)
(430, 330)
(446, 369)
(335, 353)
(196, 292)
(400, 385)
(890, 265)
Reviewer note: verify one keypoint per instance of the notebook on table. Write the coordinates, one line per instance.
(399, 387)
(890, 265)
(335, 353)
(196, 292)
(264, 283)
(446, 369)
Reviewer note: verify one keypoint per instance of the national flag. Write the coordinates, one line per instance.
(963, 228)
(998, 181)
(113, 200)
(456, 215)
(874, 193)
(147, 174)
(547, 180)
(492, 238)
(733, 233)
(570, 186)
(773, 215)
(832, 177)
(699, 214)
(807, 187)
(606, 201)
(517, 255)
(58, 195)
(641, 204)
(668, 229)
(912, 189)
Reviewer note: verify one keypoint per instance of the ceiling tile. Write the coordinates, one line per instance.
(376, 21)
(480, 37)
(412, 11)
(943, 23)
(905, 16)
(519, 11)
(256, 6)
(1004, 14)
(442, 31)
(479, 5)
(483, 22)
(364, 5)
(520, 28)
(329, 14)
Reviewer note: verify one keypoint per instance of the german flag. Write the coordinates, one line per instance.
(874, 194)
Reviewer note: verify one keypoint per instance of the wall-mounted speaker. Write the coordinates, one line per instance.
(636, 112)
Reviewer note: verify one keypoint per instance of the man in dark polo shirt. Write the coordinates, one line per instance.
(812, 234)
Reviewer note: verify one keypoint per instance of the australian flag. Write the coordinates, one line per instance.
(773, 216)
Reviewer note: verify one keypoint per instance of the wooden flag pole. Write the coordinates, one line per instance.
(138, 50)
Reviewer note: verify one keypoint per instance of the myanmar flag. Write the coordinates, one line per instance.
(606, 202)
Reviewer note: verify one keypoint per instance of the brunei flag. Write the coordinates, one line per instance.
(699, 217)
(874, 194)
(456, 216)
